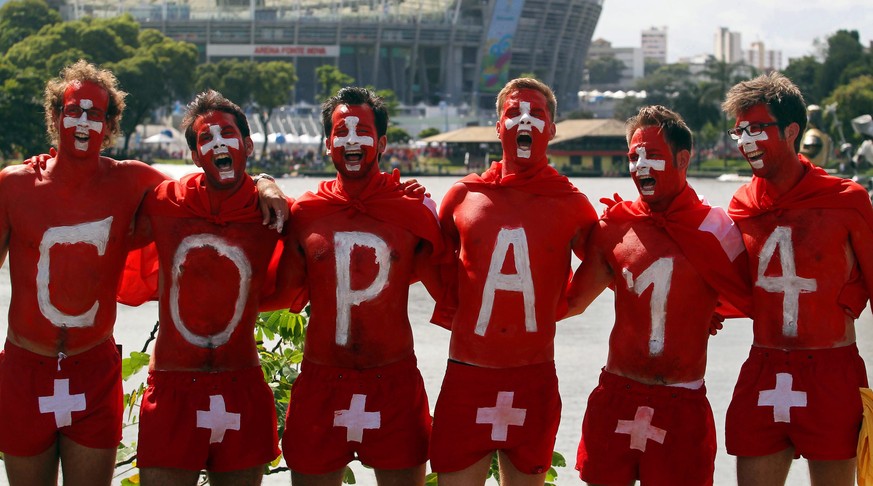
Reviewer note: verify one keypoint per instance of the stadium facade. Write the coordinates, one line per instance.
(427, 51)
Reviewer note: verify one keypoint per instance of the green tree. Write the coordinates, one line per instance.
(151, 67)
(803, 72)
(844, 49)
(22, 18)
(428, 132)
(397, 135)
(330, 80)
(604, 70)
(20, 94)
(154, 76)
(853, 99)
(275, 80)
(389, 98)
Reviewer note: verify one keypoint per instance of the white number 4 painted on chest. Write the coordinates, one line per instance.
(789, 283)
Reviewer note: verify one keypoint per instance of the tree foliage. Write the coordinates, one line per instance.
(152, 68)
(22, 18)
(258, 87)
(330, 80)
(604, 70)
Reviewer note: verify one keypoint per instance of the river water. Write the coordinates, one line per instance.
(580, 344)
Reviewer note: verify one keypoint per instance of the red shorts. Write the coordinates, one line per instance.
(481, 410)
(379, 416)
(223, 421)
(807, 399)
(659, 435)
(82, 400)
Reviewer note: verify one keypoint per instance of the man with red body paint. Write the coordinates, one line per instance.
(513, 228)
(809, 238)
(360, 394)
(67, 225)
(669, 257)
(207, 405)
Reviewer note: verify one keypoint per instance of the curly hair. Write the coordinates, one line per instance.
(83, 71)
(782, 97)
(206, 102)
(528, 83)
(354, 95)
(676, 132)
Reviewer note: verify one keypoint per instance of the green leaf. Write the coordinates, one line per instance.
(136, 362)
(349, 476)
(431, 479)
(558, 460)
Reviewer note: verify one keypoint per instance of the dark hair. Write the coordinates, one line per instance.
(208, 101)
(354, 95)
(84, 71)
(782, 97)
(676, 132)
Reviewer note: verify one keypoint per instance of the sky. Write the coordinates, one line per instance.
(789, 26)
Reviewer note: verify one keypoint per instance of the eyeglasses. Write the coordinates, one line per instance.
(94, 114)
(751, 130)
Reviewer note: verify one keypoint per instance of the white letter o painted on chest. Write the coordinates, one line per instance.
(232, 253)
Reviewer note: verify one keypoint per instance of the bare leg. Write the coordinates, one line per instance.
(243, 477)
(475, 474)
(41, 469)
(333, 478)
(826, 473)
(511, 476)
(413, 476)
(165, 476)
(84, 465)
(769, 470)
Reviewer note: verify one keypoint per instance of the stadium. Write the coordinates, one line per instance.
(429, 52)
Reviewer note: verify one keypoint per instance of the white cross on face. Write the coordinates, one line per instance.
(353, 138)
(749, 143)
(217, 419)
(643, 164)
(218, 144)
(782, 398)
(355, 419)
(501, 416)
(83, 124)
(62, 404)
(641, 429)
(525, 120)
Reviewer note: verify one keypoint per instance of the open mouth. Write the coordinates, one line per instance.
(647, 185)
(224, 164)
(755, 156)
(524, 141)
(354, 156)
(82, 136)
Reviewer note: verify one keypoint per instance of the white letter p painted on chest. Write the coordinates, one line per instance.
(346, 297)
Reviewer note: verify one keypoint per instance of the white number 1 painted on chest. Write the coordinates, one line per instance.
(789, 283)
(658, 275)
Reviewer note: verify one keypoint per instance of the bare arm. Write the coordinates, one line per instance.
(273, 203)
(592, 276)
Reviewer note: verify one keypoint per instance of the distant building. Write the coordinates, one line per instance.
(728, 46)
(427, 51)
(631, 57)
(581, 147)
(762, 59)
(654, 44)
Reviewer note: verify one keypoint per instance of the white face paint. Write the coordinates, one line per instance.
(643, 165)
(219, 146)
(749, 144)
(525, 122)
(83, 125)
(352, 141)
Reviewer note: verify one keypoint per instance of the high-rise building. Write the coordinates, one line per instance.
(459, 51)
(654, 44)
(630, 57)
(762, 59)
(728, 46)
